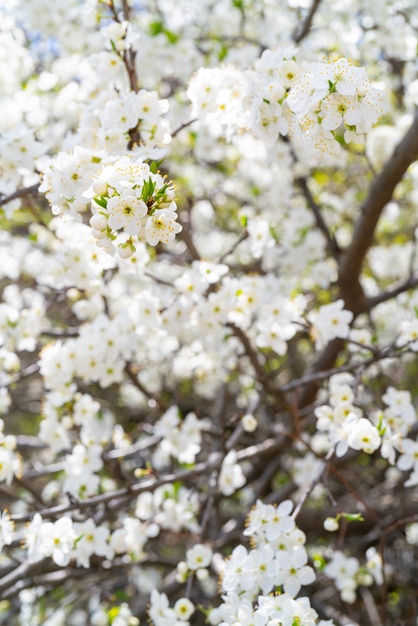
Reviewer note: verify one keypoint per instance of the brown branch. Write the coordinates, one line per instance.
(324, 374)
(371, 607)
(182, 126)
(380, 193)
(306, 26)
(132, 375)
(325, 361)
(126, 10)
(351, 489)
(187, 238)
(332, 243)
(308, 491)
(19, 193)
(119, 496)
(111, 6)
(351, 260)
(410, 283)
(244, 235)
(261, 374)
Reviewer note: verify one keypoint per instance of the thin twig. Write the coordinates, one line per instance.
(332, 243)
(182, 126)
(261, 374)
(241, 238)
(187, 238)
(19, 193)
(410, 283)
(306, 26)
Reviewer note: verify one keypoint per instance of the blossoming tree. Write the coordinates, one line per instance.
(208, 315)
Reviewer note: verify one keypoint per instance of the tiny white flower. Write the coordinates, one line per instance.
(331, 524)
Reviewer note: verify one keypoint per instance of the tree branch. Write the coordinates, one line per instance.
(19, 193)
(306, 26)
(410, 283)
(332, 244)
(381, 192)
(351, 260)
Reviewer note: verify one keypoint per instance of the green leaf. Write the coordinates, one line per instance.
(154, 165)
(332, 88)
(223, 52)
(100, 201)
(162, 190)
(352, 517)
(145, 191)
(171, 37)
(380, 427)
(155, 28)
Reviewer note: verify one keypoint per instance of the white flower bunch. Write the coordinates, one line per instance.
(329, 95)
(198, 559)
(130, 202)
(169, 508)
(348, 574)
(343, 421)
(162, 615)
(180, 439)
(272, 609)
(10, 461)
(7, 529)
(66, 179)
(278, 558)
(330, 321)
(279, 96)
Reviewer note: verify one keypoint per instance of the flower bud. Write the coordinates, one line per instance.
(249, 423)
(99, 187)
(331, 524)
(98, 222)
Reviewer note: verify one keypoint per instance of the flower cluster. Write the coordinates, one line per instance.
(151, 396)
(343, 422)
(329, 95)
(171, 507)
(330, 321)
(127, 110)
(64, 540)
(99, 353)
(347, 573)
(120, 615)
(280, 609)
(231, 476)
(179, 439)
(279, 96)
(81, 467)
(277, 560)
(66, 179)
(162, 614)
(279, 557)
(22, 320)
(10, 461)
(197, 561)
(131, 203)
(18, 146)
(7, 529)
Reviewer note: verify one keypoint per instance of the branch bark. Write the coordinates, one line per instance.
(352, 259)
(381, 192)
(19, 193)
(306, 26)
